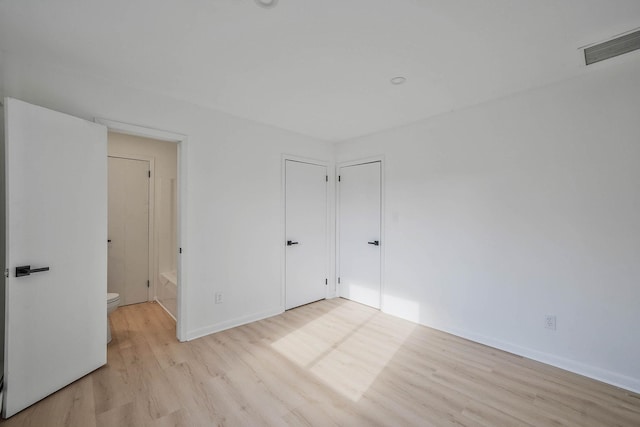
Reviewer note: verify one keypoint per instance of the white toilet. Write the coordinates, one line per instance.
(113, 301)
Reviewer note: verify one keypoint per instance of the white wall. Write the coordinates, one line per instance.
(503, 213)
(234, 239)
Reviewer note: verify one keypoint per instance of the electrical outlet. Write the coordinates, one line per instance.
(550, 322)
(218, 297)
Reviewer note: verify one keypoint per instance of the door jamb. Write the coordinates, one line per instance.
(372, 159)
(181, 238)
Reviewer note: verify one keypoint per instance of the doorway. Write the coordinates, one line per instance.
(305, 232)
(56, 258)
(142, 220)
(169, 287)
(360, 231)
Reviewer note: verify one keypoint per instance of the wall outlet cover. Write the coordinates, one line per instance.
(550, 322)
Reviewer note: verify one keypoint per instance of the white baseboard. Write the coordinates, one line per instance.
(609, 377)
(165, 308)
(228, 324)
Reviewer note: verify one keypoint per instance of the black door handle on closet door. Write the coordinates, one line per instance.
(291, 242)
(375, 243)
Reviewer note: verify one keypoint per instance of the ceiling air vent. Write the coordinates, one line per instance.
(614, 47)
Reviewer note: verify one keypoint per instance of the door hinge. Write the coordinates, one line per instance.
(149, 174)
(326, 178)
(6, 272)
(338, 280)
(326, 281)
(180, 250)
(148, 284)
(339, 178)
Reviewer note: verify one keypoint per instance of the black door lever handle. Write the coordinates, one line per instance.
(291, 242)
(26, 270)
(375, 243)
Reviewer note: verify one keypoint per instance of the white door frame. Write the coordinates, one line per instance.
(151, 291)
(181, 141)
(283, 224)
(383, 242)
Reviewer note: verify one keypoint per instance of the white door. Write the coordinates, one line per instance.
(359, 229)
(56, 201)
(128, 265)
(306, 233)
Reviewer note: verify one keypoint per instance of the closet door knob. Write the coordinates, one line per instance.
(375, 243)
(291, 242)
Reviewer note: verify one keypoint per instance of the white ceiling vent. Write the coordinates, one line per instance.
(614, 47)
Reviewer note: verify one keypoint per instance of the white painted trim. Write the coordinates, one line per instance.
(305, 160)
(4, 241)
(363, 161)
(153, 256)
(232, 323)
(283, 224)
(182, 243)
(145, 132)
(383, 242)
(181, 140)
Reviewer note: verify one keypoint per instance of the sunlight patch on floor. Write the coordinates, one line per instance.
(344, 349)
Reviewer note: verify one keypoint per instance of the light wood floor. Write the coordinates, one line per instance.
(330, 363)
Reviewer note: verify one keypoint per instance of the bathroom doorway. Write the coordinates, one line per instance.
(143, 206)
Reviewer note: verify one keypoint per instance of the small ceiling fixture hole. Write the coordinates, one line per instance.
(398, 80)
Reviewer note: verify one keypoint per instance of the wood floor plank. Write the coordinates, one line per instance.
(71, 406)
(331, 363)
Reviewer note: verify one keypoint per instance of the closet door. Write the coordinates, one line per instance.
(359, 222)
(306, 233)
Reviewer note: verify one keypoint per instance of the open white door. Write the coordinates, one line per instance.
(56, 195)
(306, 233)
(360, 229)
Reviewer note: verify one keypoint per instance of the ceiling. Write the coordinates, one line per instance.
(320, 68)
